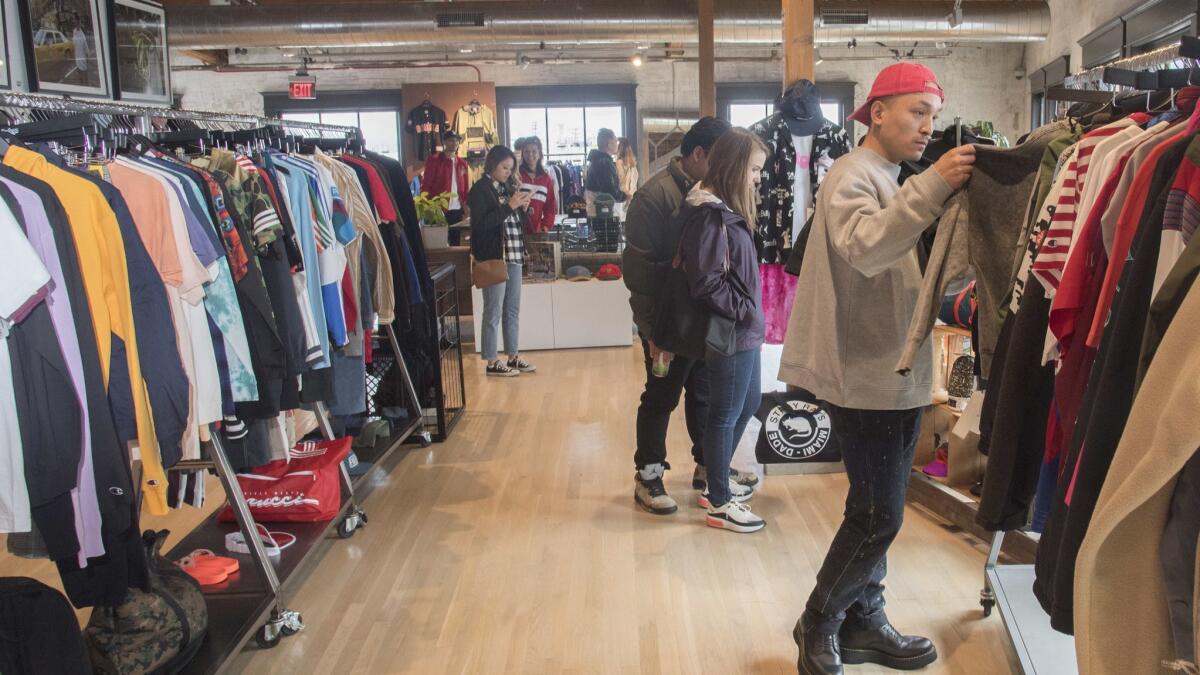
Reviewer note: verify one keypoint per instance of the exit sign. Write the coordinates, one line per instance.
(300, 87)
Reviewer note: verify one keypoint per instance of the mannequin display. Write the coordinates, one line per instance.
(475, 123)
(803, 145)
(426, 123)
(445, 172)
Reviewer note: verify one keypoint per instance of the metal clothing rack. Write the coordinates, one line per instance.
(252, 602)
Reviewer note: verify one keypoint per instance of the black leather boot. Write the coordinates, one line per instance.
(819, 653)
(885, 646)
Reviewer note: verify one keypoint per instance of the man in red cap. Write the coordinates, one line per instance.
(860, 281)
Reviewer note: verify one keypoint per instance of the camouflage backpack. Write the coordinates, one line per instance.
(150, 633)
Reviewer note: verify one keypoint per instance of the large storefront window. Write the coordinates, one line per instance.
(380, 128)
(746, 114)
(568, 133)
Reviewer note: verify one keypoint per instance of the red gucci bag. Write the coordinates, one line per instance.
(306, 489)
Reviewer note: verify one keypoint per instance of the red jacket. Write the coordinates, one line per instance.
(437, 176)
(544, 205)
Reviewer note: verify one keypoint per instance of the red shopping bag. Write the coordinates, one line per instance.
(307, 489)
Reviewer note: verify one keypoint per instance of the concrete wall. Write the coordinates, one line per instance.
(979, 82)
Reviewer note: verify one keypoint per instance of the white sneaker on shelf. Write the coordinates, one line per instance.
(735, 517)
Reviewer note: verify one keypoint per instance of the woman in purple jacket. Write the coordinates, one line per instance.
(717, 243)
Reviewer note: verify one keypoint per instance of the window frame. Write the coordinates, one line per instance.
(729, 93)
(276, 104)
(570, 96)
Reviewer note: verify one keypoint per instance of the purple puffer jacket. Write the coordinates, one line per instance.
(703, 246)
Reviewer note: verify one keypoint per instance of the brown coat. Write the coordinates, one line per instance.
(1121, 621)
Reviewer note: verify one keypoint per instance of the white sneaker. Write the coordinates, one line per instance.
(737, 493)
(735, 517)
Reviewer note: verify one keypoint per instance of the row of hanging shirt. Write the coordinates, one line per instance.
(147, 297)
(1104, 255)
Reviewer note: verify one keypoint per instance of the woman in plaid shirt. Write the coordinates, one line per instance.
(498, 216)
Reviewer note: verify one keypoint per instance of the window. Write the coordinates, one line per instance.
(567, 133)
(380, 128)
(746, 114)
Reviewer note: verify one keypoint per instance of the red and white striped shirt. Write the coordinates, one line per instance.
(1051, 258)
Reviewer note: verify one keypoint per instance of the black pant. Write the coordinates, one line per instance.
(660, 399)
(877, 448)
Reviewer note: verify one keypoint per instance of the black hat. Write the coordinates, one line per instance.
(800, 106)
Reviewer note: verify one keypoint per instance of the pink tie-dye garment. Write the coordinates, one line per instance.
(778, 293)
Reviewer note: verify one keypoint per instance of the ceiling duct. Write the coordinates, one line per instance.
(525, 24)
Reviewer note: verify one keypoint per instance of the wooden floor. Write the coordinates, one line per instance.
(516, 547)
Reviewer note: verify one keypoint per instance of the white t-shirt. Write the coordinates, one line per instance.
(454, 204)
(802, 197)
(23, 279)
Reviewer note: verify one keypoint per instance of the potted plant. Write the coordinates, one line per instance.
(431, 210)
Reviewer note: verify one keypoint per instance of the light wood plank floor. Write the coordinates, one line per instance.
(516, 547)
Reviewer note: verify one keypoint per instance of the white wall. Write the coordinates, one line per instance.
(979, 82)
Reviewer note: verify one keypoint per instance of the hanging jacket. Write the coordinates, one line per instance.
(777, 188)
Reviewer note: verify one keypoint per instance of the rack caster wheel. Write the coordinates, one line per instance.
(987, 607)
(425, 438)
(269, 635)
(355, 519)
(293, 622)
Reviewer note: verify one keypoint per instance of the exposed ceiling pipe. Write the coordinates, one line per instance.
(540, 24)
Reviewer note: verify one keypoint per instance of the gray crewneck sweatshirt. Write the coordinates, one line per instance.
(859, 285)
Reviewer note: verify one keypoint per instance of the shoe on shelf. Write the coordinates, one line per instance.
(499, 369)
(885, 646)
(652, 496)
(519, 364)
(746, 478)
(739, 493)
(735, 517)
(820, 652)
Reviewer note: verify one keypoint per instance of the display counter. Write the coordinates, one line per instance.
(568, 315)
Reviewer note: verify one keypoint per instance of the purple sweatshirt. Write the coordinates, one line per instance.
(710, 232)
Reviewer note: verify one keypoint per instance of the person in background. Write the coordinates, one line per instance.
(544, 205)
(602, 175)
(446, 172)
(498, 215)
(860, 281)
(627, 170)
(716, 245)
(651, 240)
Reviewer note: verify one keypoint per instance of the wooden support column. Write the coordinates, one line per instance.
(708, 66)
(797, 41)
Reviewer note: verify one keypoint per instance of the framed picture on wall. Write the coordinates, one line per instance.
(5, 78)
(65, 47)
(141, 71)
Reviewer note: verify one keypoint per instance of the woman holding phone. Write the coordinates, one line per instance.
(499, 211)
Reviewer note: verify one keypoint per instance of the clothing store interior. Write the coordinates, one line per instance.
(729, 337)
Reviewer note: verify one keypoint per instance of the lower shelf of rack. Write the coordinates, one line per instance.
(232, 620)
(1040, 650)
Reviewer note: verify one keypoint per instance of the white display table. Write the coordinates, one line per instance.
(567, 315)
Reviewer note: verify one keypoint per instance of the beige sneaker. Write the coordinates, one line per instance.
(652, 496)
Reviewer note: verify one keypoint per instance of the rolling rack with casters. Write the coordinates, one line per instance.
(451, 392)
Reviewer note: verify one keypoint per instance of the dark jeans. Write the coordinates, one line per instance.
(735, 392)
(660, 399)
(877, 448)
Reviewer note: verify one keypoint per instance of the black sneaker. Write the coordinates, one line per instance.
(520, 364)
(498, 369)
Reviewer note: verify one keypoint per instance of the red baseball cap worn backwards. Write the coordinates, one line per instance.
(896, 79)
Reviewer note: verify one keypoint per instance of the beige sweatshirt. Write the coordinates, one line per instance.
(858, 287)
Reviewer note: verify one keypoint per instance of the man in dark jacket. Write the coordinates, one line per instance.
(651, 243)
(602, 177)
